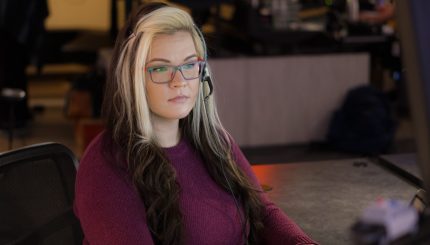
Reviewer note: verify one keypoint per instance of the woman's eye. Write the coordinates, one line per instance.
(159, 69)
(189, 66)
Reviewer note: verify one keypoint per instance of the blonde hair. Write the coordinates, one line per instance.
(129, 126)
(132, 60)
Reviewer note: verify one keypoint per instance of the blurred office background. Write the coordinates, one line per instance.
(283, 71)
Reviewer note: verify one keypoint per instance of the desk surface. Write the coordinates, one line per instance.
(407, 162)
(325, 198)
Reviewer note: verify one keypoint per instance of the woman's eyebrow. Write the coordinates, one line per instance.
(190, 56)
(159, 59)
(168, 61)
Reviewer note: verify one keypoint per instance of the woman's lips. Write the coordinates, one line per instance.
(179, 99)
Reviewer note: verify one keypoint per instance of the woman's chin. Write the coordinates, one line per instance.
(178, 115)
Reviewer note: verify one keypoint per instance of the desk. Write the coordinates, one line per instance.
(325, 198)
(407, 162)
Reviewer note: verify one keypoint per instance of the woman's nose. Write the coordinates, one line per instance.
(178, 80)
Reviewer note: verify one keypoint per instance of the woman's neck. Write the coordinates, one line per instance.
(166, 131)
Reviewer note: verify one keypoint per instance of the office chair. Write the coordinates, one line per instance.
(36, 196)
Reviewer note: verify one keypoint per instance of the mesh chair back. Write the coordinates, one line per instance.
(36, 196)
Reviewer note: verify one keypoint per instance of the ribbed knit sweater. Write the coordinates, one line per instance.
(111, 211)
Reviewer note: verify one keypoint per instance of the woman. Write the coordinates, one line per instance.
(165, 171)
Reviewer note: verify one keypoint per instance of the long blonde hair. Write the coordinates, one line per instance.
(128, 118)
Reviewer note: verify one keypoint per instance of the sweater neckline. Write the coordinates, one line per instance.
(178, 148)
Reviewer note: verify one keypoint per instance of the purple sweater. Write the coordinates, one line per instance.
(111, 211)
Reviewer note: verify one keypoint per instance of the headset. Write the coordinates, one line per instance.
(205, 76)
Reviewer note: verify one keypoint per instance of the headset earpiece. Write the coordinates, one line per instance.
(205, 76)
(207, 82)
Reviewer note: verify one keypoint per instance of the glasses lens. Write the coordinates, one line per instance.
(161, 74)
(191, 70)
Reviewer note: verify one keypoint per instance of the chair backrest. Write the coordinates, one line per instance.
(36, 196)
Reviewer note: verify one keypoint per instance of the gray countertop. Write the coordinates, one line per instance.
(326, 198)
(406, 161)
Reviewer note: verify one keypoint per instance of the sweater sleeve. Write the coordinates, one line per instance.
(108, 207)
(278, 227)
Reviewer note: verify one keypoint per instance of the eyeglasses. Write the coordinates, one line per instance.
(165, 73)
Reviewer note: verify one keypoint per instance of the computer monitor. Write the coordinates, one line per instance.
(413, 20)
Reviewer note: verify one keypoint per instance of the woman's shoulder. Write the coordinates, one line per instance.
(101, 179)
(101, 153)
(95, 149)
(101, 165)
